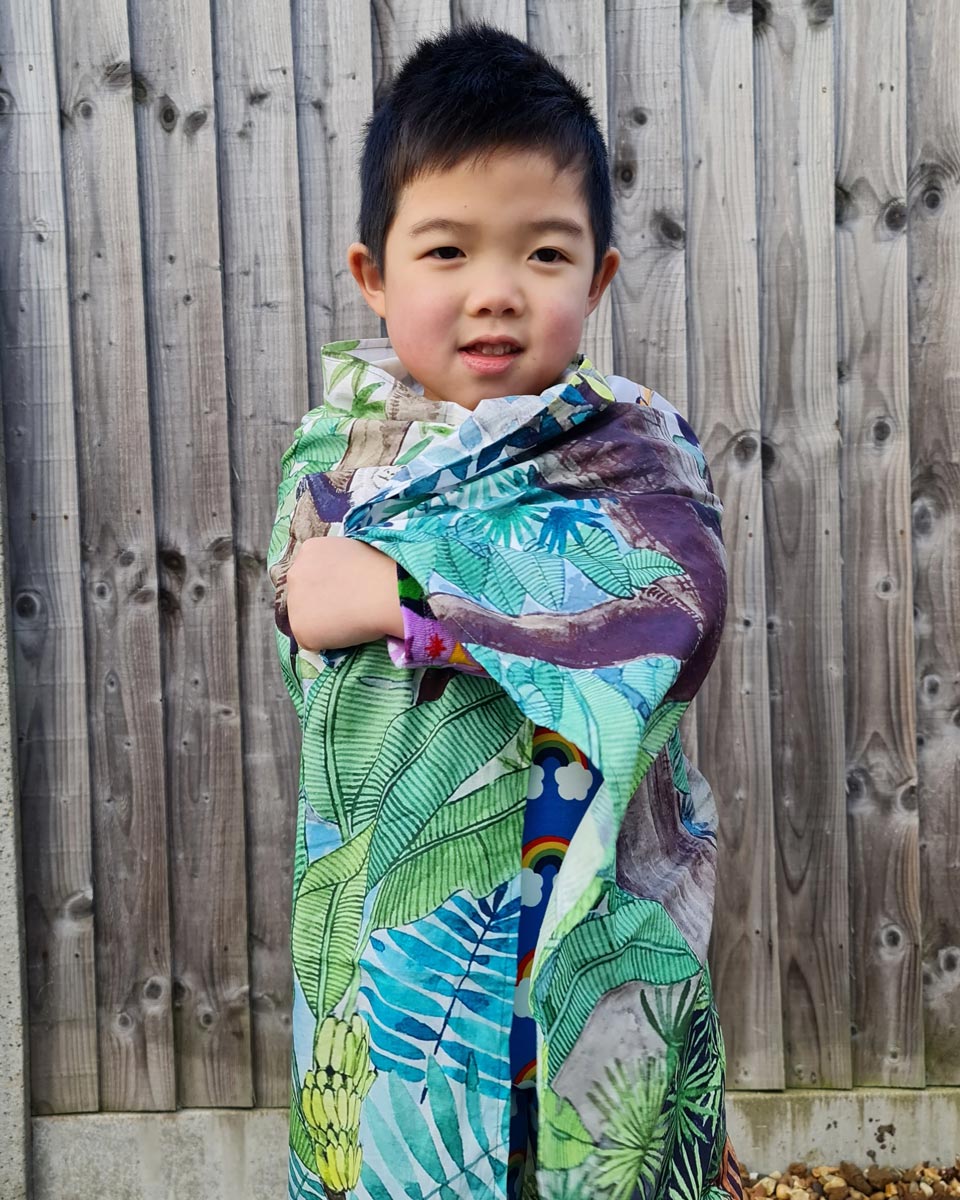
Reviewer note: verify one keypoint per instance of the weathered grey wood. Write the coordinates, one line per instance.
(646, 319)
(934, 256)
(733, 709)
(397, 28)
(45, 569)
(132, 915)
(177, 146)
(877, 587)
(15, 1141)
(267, 387)
(646, 152)
(794, 88)
(572, 34)
(333, 73)
(510, 15)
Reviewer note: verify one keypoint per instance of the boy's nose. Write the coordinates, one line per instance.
(495, 296)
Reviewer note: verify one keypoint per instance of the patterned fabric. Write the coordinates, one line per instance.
(571, 542)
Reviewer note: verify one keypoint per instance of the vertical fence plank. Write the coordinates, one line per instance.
(649, 294)
(45, 570)
(643, 331)
(724, 360)
(396, 30)
(132, 916)
(267, 385)
(877, 592)
(794, 87)
(572, 35)
(934, 246)
(173, 87)
(510, 15)
(333, 72)
(15, 1133)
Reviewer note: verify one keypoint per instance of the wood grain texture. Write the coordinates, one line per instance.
(181, 238)
(646, 151)
(132, 915)
(934, 256)
(510, 15)
(645, 317)
(882, 824)
(795, 110)
(265, 339)
(44, 535)
(333, 75)
(572, 35)
(733, 708)
(397, 28)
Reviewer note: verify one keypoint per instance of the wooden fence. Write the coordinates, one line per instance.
(177, 187)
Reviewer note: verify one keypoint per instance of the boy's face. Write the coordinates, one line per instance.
(488, 276)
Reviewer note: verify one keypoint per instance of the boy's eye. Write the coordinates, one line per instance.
(445, 252)
(547, 254)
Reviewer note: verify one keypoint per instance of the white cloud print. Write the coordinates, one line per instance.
(535, 783)
(573, 781)
(531, 887)
(521, 999)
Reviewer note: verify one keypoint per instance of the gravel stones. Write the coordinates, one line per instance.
(847, 1181)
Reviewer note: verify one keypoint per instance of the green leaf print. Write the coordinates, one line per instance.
(636, 941)
(325, 950)
(647, 566)
(635, 1129)
(467, 844)
(422, 762)
(564, 1141)
(597, 555)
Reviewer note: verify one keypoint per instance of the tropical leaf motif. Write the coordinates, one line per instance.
(436, 863)
(441, 989)
(564, 1141)
(444, 1152)
(324, 950)
(694, 1102)
(634, 941)
(647, 566)
(635, 1130)
(597, 555)
(365, 691)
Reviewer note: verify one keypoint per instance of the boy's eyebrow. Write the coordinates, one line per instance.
(546, 225)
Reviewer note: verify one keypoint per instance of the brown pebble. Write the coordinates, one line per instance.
(798, 1168)
(782, 1192)
(878, 1177)
(854, 1176)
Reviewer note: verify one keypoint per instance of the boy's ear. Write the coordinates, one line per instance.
(369, 277)
(601, 281)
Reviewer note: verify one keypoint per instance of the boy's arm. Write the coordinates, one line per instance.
(341, 592)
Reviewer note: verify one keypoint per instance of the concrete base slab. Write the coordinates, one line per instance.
(237, 1154)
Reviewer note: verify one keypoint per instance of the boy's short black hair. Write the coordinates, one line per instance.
(466, 93)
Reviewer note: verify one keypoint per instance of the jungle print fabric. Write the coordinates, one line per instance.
(572, 541)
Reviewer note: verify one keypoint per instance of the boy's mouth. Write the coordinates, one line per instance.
(491, 349)
(489, 356)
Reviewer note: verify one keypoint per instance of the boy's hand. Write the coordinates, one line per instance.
(341, 593)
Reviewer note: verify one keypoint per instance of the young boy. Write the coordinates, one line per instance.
(500, 581)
